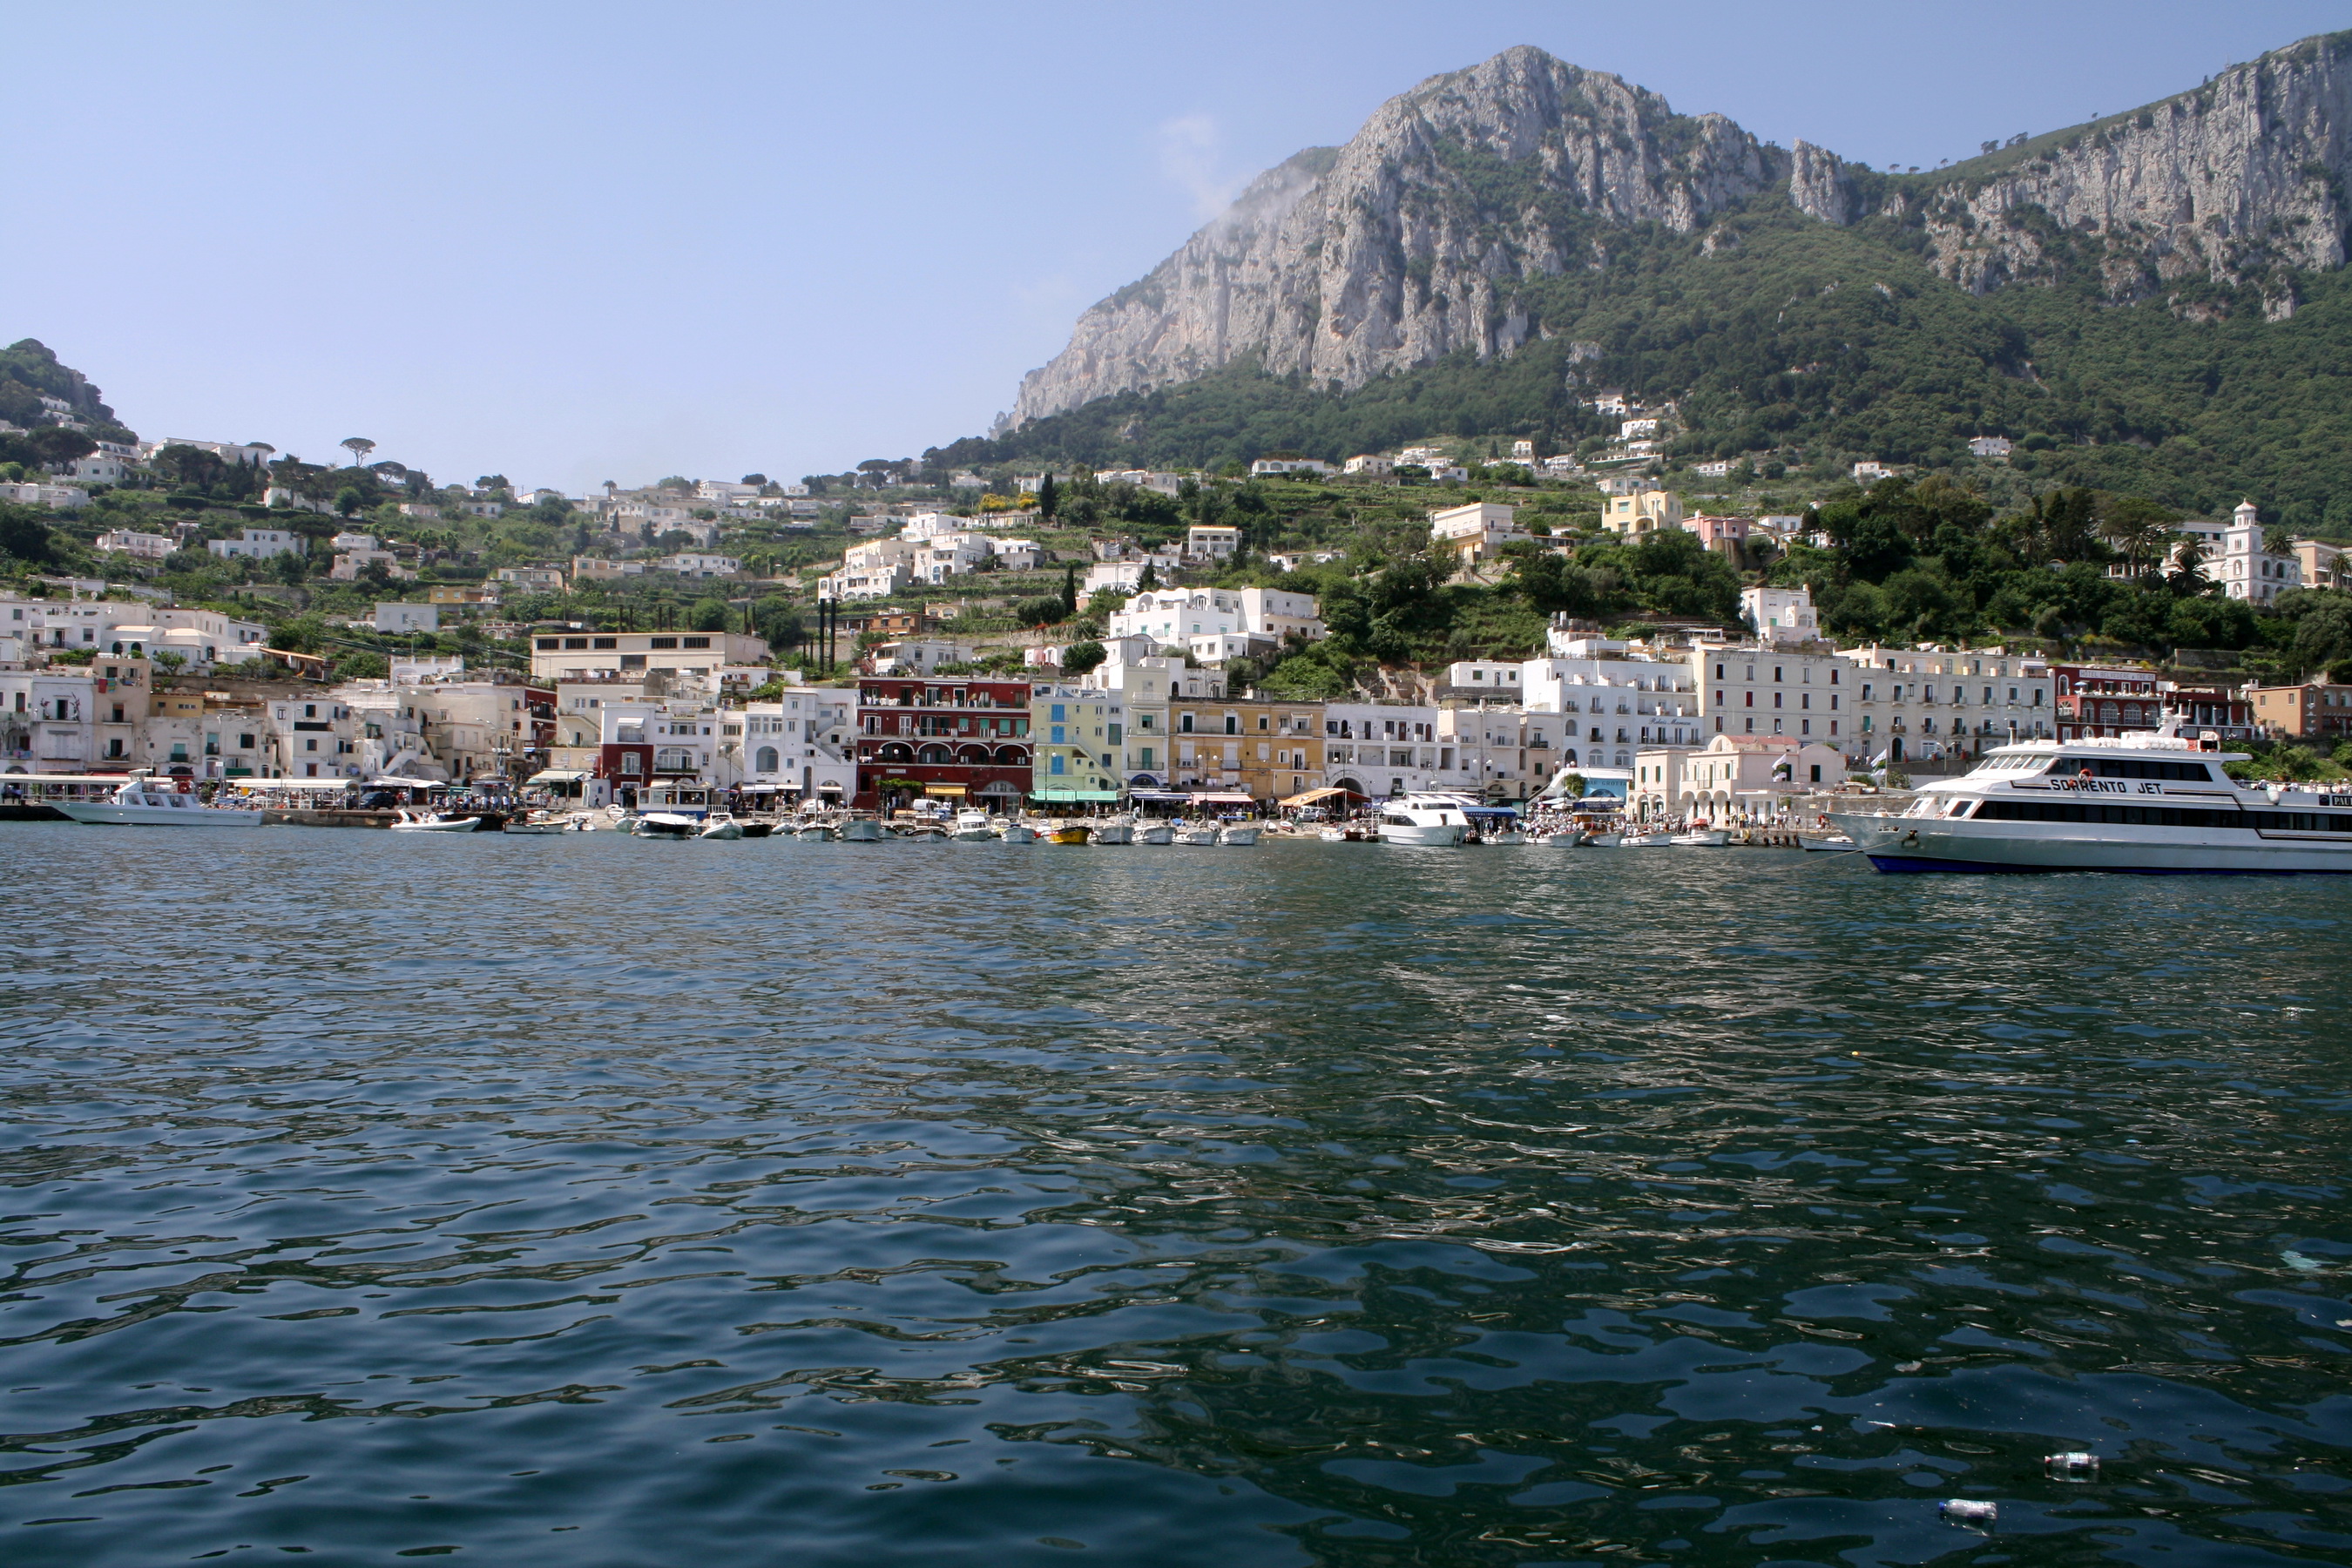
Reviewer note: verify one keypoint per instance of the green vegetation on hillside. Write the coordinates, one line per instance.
(1797, 342)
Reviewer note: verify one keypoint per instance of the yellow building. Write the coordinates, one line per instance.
(1266, 749)
(1644, 511)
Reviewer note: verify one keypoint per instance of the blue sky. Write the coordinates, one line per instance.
(583, 241)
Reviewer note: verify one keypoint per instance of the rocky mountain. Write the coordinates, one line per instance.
(1425, 236)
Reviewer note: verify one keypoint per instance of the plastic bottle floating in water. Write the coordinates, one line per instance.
(1967, 1511)
(2072, 1466)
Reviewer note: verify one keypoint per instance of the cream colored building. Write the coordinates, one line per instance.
(1641, 511)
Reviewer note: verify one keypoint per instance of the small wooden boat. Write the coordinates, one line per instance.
(1155, 833)
(1065, 833)
(1115, 830)
(1240, 835)
(1196, 833)
(1018, 833)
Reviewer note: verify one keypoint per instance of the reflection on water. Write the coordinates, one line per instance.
(586, 1201)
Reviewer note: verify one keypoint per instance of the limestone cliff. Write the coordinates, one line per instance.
(1406, 243)
(2241, 179)
(1412, 241)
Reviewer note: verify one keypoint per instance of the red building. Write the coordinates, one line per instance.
(2106, 700)
(949, 737)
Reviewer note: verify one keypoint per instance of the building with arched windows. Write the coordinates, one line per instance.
(946, 737)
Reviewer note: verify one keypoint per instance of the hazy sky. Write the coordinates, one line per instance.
(583, 241)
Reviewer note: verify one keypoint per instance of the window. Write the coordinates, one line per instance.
(576, 642)
(662, 642)
(547, 644)
(1184, 724)
(604, 642)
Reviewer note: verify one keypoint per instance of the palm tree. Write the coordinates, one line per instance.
(2188, 569)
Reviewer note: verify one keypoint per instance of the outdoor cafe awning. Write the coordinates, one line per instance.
(1162, 796)
(558, 775)
(1222, 797)
(1094, 795)
(1314, 795)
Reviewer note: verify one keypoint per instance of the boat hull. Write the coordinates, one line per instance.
(1155, 833)
(1913, 843)
(861, 832)
(1115, 833)
(156, 816)
(1239, 837)
(1435, 835)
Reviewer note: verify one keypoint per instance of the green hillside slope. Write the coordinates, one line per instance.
(1784, 337)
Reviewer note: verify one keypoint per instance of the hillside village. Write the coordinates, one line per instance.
(1434, 616)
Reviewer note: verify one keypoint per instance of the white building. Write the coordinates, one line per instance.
(408, 619)
(696, 565)
(2248, 568)
(803, 742)
(1914, 704)
(1380, 749)
(1485, 677)
(1369, 463)
(1780, 614)
(143, 546)
(1174, 616)
(1997, 447)
(1266, 466)
(1475, 533)
(56, 498)
(879, 581)
(1608, 707)
(1211, 544)
(1870, 472)
(257, 544)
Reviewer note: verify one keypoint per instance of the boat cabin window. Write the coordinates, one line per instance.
(2133, 768)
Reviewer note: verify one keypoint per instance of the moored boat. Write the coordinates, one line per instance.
(1196, 833)
(972, 825)
(138, 804)
(1065, 833)
(1155, 833)
(1113, 830)
(1017, 832)
(1425, 820)
(2156, 804)
(1703, 839)
(720, 824)
(862, 828)
(1239, 834)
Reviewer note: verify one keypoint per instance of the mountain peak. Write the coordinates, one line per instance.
(1418, 237)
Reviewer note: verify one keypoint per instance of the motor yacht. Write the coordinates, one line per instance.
(1425, 819)
(2147, 804)
(972, 825)
(667, 824)
(142, 803)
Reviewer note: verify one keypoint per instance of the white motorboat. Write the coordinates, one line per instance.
(924, 832)
(580, 822)
(1155, 833)
(1703, 839)
(1646, 841)
(1115, 830)
(141, 804)
(861, 829)
(1825, 843)
(536, 824)
(1240, 835)
(720, 824)
(436, 822)
(1425, 820)
(1018, 833)
(816, 831)
(972, 825)
(2146, 804)
(1196, 833)
(1605, 840)
(667, 824)
(1503, 835)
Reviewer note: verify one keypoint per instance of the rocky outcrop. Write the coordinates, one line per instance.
(1415, 239)
(2241, 180)
(1407, 244)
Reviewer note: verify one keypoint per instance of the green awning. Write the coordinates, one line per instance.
(1086, 795)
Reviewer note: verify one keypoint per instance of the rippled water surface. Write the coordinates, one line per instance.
(582, 1201)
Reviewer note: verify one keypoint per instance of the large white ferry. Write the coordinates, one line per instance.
(2152, 804)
